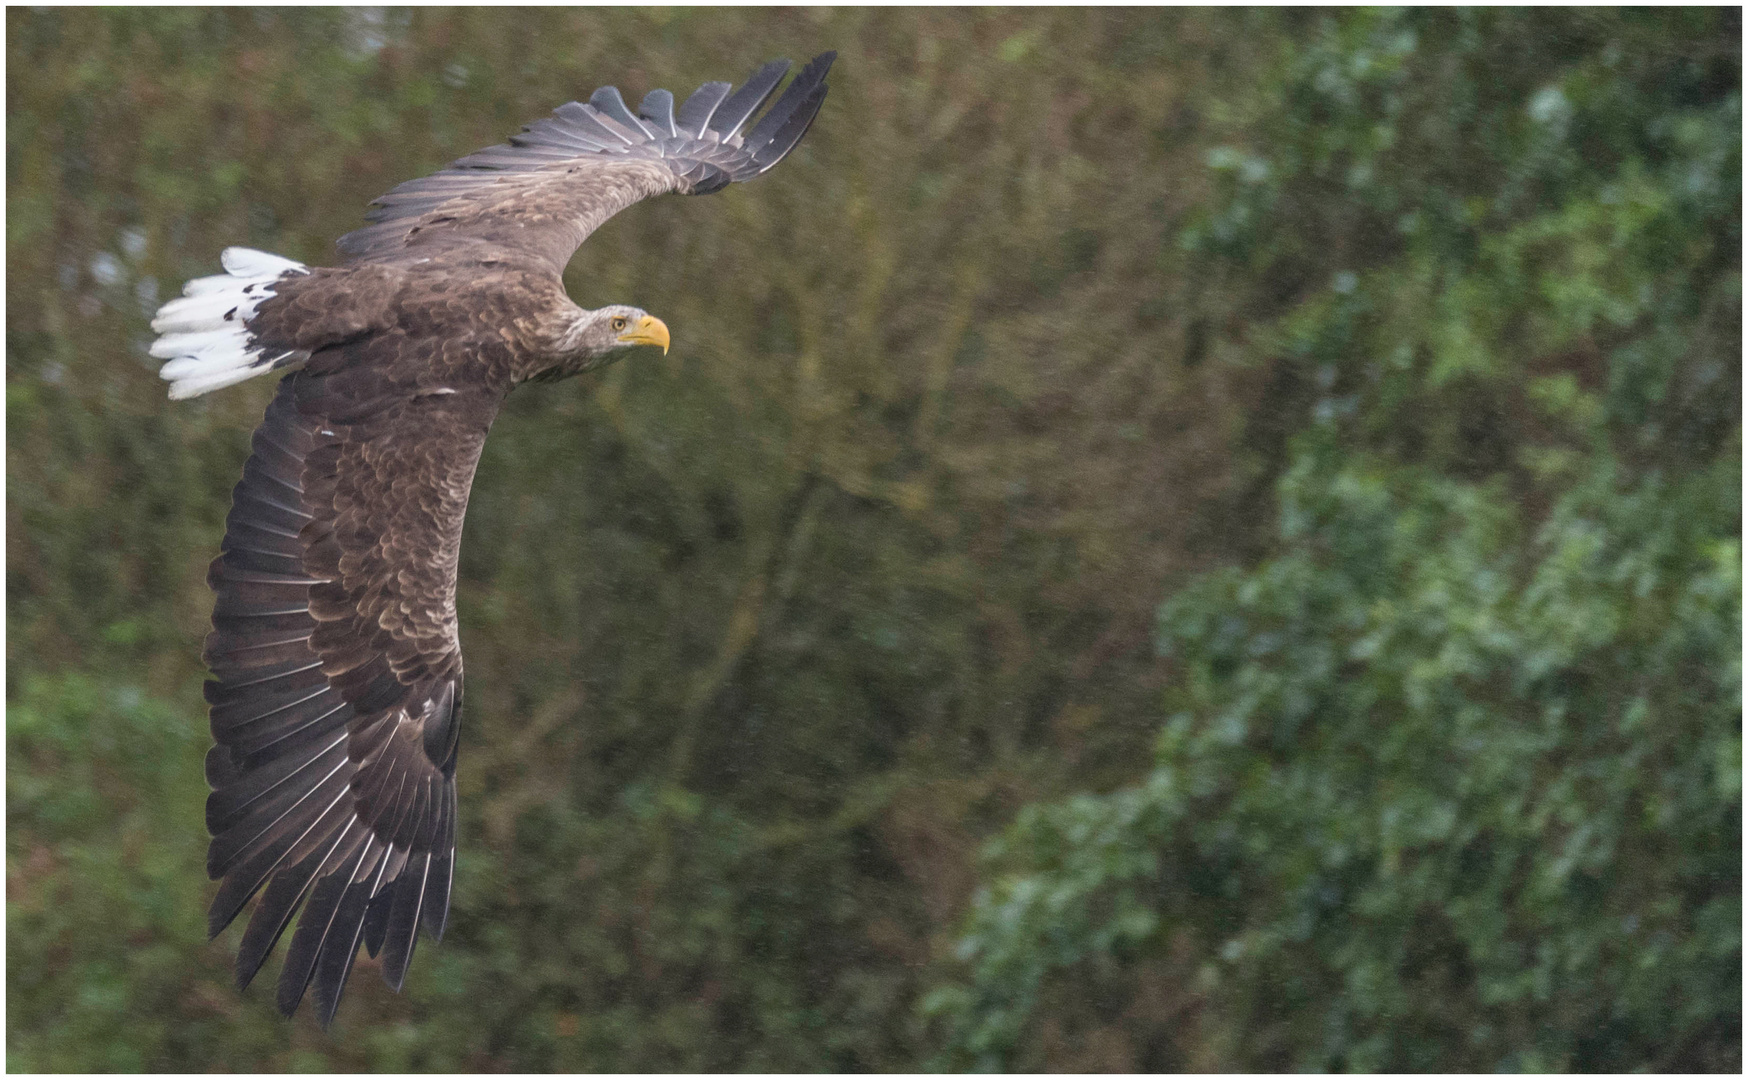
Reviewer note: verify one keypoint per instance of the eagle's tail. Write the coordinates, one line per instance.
(204, 332)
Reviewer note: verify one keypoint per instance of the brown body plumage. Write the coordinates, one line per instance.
(338, 678)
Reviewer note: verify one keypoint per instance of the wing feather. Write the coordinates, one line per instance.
(436, 914)
(544, 133)
(608, 100)
(290, 848)
(254, 745)
(696, 112)
(743, 103)
(279, 818)
(657, 108)
(337, 952)
(286, 890)
(402, 932)
(780, 129)
(333, 880)
(585, 123)
(376, 919)
(280, 777)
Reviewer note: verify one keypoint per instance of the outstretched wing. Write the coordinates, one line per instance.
(557, 181)
(337, 701)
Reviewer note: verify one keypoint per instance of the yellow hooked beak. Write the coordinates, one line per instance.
(648, 331)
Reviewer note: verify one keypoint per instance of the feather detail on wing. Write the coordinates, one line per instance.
(337, 701)
(557, 181)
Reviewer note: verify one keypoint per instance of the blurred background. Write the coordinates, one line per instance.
(1166, 540)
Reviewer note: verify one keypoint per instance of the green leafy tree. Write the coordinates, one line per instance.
(1450, 778)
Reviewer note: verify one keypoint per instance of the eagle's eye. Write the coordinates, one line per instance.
(618, 322)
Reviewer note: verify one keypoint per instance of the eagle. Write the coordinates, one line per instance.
(337, 675)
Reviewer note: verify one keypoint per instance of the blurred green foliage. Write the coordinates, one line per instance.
(1400, 351)
(1451, 778)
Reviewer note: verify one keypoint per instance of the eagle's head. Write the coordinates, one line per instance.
(609, 329)
(589, 339)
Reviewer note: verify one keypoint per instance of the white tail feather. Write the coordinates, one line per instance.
(194, 387)
(202, 286)
(205, 336)
(245, 262)
(196, 343)
(191, 313)
(184, 367)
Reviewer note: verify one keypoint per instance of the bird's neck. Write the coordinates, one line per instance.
(572, 340)
(571, 350)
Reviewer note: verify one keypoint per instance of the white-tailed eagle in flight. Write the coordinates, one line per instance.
(336, 698)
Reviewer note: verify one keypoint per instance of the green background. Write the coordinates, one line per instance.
(1166, 540)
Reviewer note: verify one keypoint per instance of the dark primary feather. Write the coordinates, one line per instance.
(608, 100)
(743, 103)
(658, 109)
(337, 687)
(779, 130)
(703, 103)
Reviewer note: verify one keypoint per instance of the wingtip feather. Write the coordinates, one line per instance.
(733, 114)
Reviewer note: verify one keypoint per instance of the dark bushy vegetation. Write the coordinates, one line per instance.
(823, 710)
